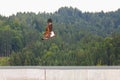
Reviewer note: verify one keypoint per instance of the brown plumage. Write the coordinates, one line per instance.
(48, 30)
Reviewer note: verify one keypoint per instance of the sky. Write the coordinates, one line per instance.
(9, 7)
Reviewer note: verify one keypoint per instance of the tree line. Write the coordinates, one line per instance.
(83, 38)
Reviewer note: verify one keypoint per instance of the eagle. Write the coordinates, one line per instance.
(49, 33)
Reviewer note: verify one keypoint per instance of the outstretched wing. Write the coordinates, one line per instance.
(49, 35)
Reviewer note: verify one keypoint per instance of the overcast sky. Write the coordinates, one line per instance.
(9, 7)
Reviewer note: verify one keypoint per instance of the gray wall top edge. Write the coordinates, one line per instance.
(60, 67)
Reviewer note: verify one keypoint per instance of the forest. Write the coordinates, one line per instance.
(82, 38)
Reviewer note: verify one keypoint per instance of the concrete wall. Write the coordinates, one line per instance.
(59, 74)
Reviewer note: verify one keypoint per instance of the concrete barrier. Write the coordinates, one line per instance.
(59, 74)
(21, 74)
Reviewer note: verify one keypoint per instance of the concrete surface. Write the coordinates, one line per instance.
(59, 74)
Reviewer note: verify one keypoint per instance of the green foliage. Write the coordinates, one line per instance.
(4, 61)
(83, 39)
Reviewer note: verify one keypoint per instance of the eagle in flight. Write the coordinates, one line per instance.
(49, 33)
